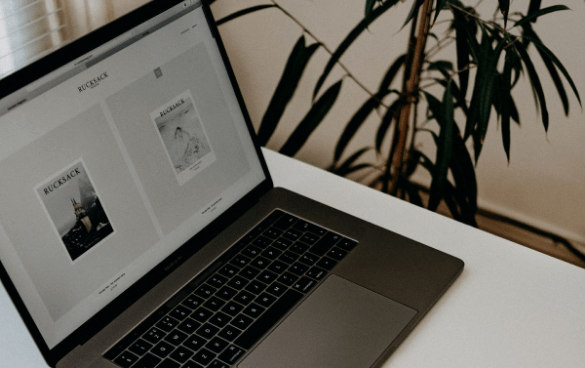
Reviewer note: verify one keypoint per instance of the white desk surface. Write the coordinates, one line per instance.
(511, 306)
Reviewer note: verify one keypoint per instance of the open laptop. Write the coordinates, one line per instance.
(139, 226)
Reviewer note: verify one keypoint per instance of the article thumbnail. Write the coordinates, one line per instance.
(75, 209)
(183, 136)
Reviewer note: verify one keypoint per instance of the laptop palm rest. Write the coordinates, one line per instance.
(341, 325)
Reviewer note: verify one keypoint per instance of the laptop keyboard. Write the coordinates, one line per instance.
(221, 314)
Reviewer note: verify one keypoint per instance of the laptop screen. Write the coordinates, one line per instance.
(113, 161)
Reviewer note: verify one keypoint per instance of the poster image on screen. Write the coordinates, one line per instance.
(75, 210)
(186, 144)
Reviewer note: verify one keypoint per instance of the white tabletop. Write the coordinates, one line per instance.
(511, 306)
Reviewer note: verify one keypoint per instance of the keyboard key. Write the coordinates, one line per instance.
(220, 319)
(347, 244)
(272, 233)
(240, 260)
(298, 269)
(268, 319)
(147, 361)
(262, 242)
(309, 259)
(267, 277)
(201, 314)
(278, 267)
(287, 278)
(232, 308)
(304, 284)
(192, 301)
(327, 263)
(309, 238)
(288, 257)
(214, 304)
(260, 262)
(167, 323)
(242, 322)
(254, 310)
(218, 364)
(282, 243)
(204, 357)
(276, 289)
(299, 248)
(229, 270)
(229, 333)
(256, 287)
(252, 251)
(271, 253)
(194, 342)
(217, 281)
(226, 293)
(192, 364)
(316, 273)
(231, 354)
(140, 347)
(249, 272)
(154, 335)
(205, 291)
(176, 337)
(189, 326)
(182, 354)
(167, 363)
(307, 226)
(327, 242)
(180, 312)
(162, 349)
(285, 221)
(244, 297)
(292, 234)
(126, 359)
(207, 331)
(337, 254)
(238, 282)
(265, 300)
(217, 345)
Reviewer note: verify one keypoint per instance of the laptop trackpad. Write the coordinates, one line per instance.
(341, 324)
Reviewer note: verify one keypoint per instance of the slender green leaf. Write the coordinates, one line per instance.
(444, 150)
(546, 53)
(532, 16)
(450, 201)
(243, 12)
(506, 86)
(349, 39)
(291, 76)
(370, 7)
(488, 90)
(443, 66)
(534, 7)
(535, 82)
(310, 122)
(412, 163)
(349, 161)
(462, 47)
(505, 9)
(413, 11)
(390, 115)
(391, 73)
(440, 6)
(413, 195)
(357, 120)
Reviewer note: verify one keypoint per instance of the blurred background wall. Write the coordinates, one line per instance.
(544, 183)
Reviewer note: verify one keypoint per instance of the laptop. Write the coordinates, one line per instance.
(139, 226)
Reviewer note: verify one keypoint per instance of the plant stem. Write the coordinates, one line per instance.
(410, 93)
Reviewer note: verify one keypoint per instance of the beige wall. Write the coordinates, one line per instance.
(543, 185)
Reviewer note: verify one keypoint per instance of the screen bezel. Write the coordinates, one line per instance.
(57, 59)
